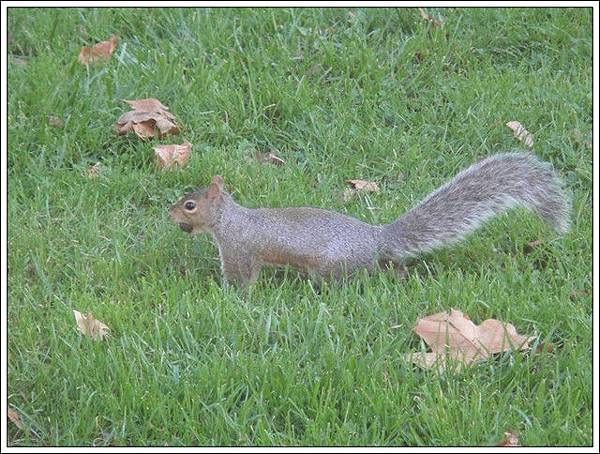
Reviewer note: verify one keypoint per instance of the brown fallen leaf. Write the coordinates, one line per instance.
(55, 122)
(89, 326)
(521, 133)
(428, 17)
(18, 60)
(452, 336)
(94, 171)
(149, 118)
(580, 293)
(358, 186)
(511, 438)
(581, 140)
(98, 52)
(363, 185)
(168, 156)
(545, 347)
(532, 246)
(269, 158)
(14, 417)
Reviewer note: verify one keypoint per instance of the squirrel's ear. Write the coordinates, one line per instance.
(216, 187)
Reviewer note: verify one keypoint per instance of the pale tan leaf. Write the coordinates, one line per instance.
(168, 156)
(521, 133)
(511, 438)
(55, 122)
(363, 185)
(428, 17)
(98, 52)
(166, 126)
(89, 326)
(94, 171)
(146, 105)
(532, 246)
(453, 336)
(18, 60)
(269, 158)
(14, 417)
(145, 129)
(150, 118)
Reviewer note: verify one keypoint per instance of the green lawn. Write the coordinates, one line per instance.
(381, 95)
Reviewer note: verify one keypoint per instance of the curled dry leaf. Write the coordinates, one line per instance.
(575, 293)
(580, 139)
(521, 133)
(511, 438)
(149, 118)
(18, 60)
(94, 171)
(269, 158)
(55, 122)
(89, 326)
(532, 246)
(98, 52)
(453, 337)
(363, 185)
(14, 417)
(358, 186)
(428, 17)
(169, 155)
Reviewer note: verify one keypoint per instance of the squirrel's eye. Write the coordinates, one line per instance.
(189, 205)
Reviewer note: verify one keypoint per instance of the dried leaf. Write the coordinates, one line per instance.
(18, 60)
(149, 118)
(55, 122)
(452, 336)
(146, 105)
(358, 186)
(98, 52)
(14, 417)
(89, 326)
(581, 140)
(428, 17)
(269, 158)
(545, 347)
(511, 438)
(169, 155)
(363, 185)
(145, 129)
(532, 246)
(521, 133)
(580, 293)
(94, 171)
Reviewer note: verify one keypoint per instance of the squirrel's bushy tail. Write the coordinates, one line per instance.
(480, 192)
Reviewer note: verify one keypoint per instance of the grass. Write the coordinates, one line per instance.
(376, 94)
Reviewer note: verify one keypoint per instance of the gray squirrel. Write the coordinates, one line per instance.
(327, 244)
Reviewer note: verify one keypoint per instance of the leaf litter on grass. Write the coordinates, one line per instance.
(101, 51)
(521, 133)
(455, 340)
(149, 118)
(90, 326)
(358, 187)
(167, 156)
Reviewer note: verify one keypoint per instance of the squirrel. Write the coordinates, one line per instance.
(327, 244)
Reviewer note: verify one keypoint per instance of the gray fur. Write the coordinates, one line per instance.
(329, 244)
(475, 195)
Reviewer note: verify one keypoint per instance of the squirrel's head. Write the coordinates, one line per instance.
(198, 211)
